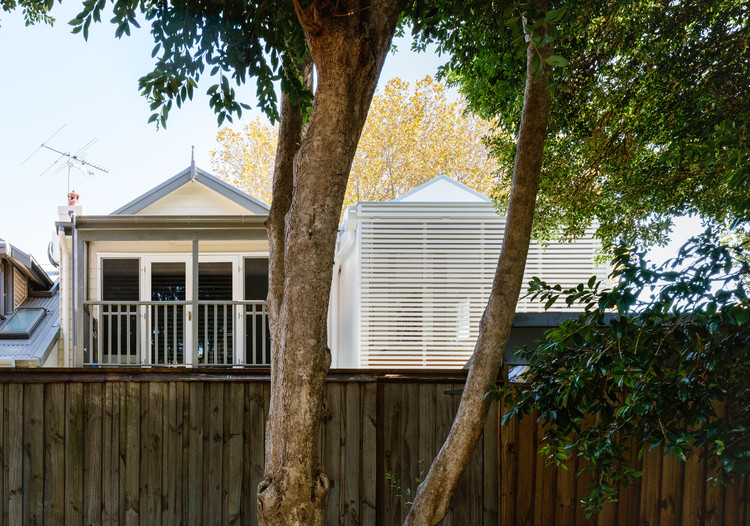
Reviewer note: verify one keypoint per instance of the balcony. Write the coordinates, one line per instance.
(171, 334)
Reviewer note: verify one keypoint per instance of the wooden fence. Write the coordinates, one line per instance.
(170, 447)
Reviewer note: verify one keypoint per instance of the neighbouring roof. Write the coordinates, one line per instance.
(34, 350)
(443, 189)
(189, 176)
(26, 264)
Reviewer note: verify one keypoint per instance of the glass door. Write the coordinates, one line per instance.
(169, 317)
(167, 293)
(216, 313)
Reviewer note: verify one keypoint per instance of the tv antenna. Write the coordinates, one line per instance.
(72, 160)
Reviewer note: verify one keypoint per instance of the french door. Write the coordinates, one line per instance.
(175, 333)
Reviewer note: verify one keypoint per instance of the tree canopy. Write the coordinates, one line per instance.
(410, 136)
(34, 11)
(650, 113)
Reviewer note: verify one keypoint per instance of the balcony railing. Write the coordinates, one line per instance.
(162, 333)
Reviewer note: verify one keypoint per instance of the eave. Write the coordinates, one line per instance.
(170, 228)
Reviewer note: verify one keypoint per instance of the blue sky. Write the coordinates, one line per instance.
(52, 78)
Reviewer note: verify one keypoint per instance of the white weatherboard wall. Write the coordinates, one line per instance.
(193, 198)
(425, 271)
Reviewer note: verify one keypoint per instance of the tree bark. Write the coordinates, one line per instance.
(435, 492)
(348, 49)
(292, 129)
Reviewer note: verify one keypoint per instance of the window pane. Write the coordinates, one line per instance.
(215, 281)
(215, 321)
(257, 335)
(168, 321)
(167, 281)
(120, 282)
(21, 323)
(120, 279)
(256, 278)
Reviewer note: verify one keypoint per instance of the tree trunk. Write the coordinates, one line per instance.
(435, 492)
(292, 129)
(348, 49)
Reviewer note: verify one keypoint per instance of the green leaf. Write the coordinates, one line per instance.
(557, 61)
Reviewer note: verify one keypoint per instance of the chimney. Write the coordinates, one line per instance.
(73, 198)
(73, 207)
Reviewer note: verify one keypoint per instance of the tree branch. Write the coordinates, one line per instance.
(435, 493)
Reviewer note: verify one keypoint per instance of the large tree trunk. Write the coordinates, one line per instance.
(435, 492)
(292, 129)
(348, 49)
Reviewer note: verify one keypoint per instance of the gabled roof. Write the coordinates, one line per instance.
(26, 264)
(443, 189)
(188, 175)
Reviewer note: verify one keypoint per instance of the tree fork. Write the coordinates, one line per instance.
(435, 492)
(348, 51)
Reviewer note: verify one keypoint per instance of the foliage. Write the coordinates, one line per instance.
(660, 359)
(650, 115)
(406, 493)
(409, 138)
(245, 159)
(235, 40)
(34, 11)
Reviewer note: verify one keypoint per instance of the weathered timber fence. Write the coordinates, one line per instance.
(147, 446)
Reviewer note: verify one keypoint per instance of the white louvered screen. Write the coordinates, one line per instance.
(426, 274)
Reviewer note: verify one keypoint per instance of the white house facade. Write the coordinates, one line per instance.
(177, 277)
(412, 277)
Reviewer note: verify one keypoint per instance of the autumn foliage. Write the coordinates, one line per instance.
(410, 137)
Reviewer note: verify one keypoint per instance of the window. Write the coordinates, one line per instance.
(120, 279)
(21, 323)
(215, 319)
(257, 335)
(256, 279)
(118, 327)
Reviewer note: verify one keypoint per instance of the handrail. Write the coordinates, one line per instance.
(146, 333)
(175, 302)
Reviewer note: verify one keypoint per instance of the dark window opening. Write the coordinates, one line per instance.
(257, 335)
(168, 320)
(120, 283)
(215, 322)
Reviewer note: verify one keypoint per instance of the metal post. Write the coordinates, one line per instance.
(78, 296)
(195, 302)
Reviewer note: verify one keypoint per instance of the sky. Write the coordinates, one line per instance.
(52, 79)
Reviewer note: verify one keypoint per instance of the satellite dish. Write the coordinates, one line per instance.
(53, 251)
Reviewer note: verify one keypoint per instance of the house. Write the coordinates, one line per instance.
(176, 277)
(412, 277)
(29, 311)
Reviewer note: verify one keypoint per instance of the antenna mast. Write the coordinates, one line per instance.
(73, 160)
(77, 161)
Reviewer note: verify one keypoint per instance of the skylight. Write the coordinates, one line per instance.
(21, 323)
